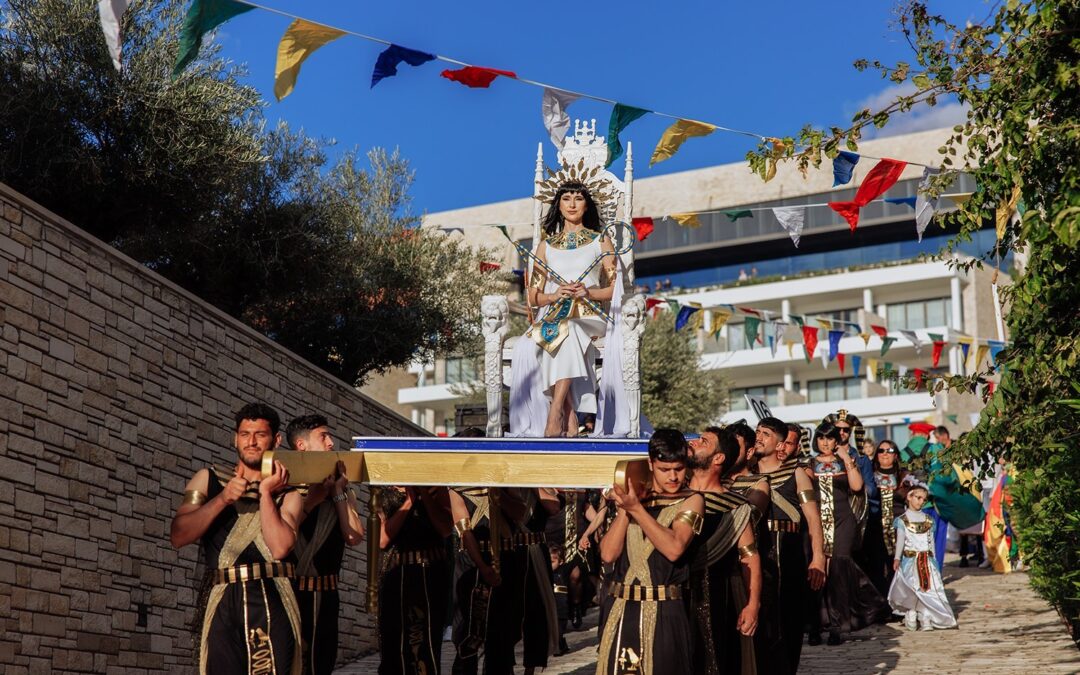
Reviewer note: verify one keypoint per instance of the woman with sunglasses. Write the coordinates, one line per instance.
(879, 541)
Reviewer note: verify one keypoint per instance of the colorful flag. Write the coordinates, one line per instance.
(719, 317)
(1005, 211)
(908, 201)
(995, 349)
(738, 213)
(686, 219)
(810, 338)
(840, 360)
(886, 343)
(388, 61)
(202, 17)
(676, 135)
(856, 361)
(834, 343)
(882, 177)
(980, 354)
(684, 316)
(965, 345)
(865, 338)
(621, 117)
(300, 41)
(913, 339)
(872, 369)
(880, 330)
(792, 219)
(476, 77)
(752, 328)
(959, 199)
(489, 266)
(919, 374)
(553, 109)
(643, 227)
(935, 355)
(842, 167)
(111, 13)
(777, 333)
(925, 207)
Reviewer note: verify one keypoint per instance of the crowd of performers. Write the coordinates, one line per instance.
(741, 544)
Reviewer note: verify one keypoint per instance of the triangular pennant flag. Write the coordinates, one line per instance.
(300, 41)
(825, 323)
(202, 17)
(387, 63)
(792, 219)
(907, 201)
(810, 338)
(980, 354)
(621, 117)
(856, 361)
(476, 77)
(553, 110)
(925, 207)
(697, 321)
(995, 349)
(919, 373)
(935, 355)
(965, 345)
(673, 305)
(684, 316)
(643, 227)
(735, 215)
(959, 199)
(686, 219)
(901, 370)
(882, 177)
(934, 337)
(502, 228)
(840, 360)
(751, 311)
(650, 303)
(676, 135)
(834, 343)
(790, 349)
(798, 319)
(752, 328)
(865, 339)
(842, 167)
(719, 318)
(913, 339)
(489, 266)
(886, 343)
(872, 369)
(1004, 212)
(825, 359)
(880, 330)
(111, 13)
(777, 333)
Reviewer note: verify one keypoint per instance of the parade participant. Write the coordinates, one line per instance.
(646, 627)
(951, 502)
(330, 522)
(569, 528)
(562, 338)
(879, 541)
(539, 625)
(560, 575)
(747, 439)
(917, 591)
(245, 525)
(848, 600)
(851, 437)
(726, 576)
(793, 503)
(415, 572)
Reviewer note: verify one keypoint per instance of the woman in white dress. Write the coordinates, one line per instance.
(917, 591)
(566, 325)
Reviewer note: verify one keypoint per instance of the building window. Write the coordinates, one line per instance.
(845, 316)
(921, 314)
(769, 393)
(460, 371)
(897, 433)
(840, 389)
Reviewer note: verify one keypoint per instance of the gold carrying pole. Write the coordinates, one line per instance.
(495, 528)
(373, 535)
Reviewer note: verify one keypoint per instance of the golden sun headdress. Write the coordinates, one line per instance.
(598, 187)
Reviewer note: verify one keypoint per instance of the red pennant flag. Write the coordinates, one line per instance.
(643, 227)
(880, 330)
(489, 266)
(476, 76)
(882, 177)
(919, 373)
(750, 310)
(936, 355)
(989, 388)
(809, 336)
(840, 358)
(653, 302)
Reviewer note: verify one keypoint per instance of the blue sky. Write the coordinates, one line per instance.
(765, 66)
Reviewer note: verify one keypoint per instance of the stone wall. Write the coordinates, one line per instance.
(115, 387)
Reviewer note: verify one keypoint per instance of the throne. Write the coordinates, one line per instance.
(585, 146)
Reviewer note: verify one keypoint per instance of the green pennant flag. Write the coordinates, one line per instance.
(888, 373)
(952, 418)
(934, 337)
(886, 343)
(735, 215)
(751, 328)
(621, 117)
(202, 17)
(673, 305)
(502, 228)
(798, 319)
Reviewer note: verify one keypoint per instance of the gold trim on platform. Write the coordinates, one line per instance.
(308, 468)
(496, 469)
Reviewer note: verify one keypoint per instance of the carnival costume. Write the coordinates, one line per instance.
(879, 542)
(917, 589)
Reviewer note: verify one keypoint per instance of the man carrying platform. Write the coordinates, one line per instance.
(330, 522)
(246, 527)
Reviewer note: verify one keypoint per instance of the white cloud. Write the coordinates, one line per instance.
(946, 113)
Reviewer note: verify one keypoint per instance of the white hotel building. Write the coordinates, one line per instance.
(874, 276)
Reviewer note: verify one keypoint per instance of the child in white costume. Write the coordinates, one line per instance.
(917, 590)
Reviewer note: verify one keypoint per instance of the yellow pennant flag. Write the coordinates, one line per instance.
(790, 347)
(865, 338)
(825, 323)
(871, 369)
(300, 41)
(1005, 211)
(686, 219)
(959, 199)
(980, 354)
(719, 318)
(676, 135)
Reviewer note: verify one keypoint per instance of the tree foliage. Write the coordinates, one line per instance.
(1018, 71)
(185, 176)
(675, 392)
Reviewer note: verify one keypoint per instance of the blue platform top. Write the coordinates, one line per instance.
(613, 446)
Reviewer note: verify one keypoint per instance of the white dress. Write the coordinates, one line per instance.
(917, 585)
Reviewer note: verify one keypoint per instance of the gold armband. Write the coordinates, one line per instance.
(691, 518)
(194, 497)
(462, 526)
(538, 278)
(807, 495)
(748, 551)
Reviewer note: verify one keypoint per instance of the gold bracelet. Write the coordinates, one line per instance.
(462, 526)
(807, 495)
(194, 497)
(692, 518)
(748, 551)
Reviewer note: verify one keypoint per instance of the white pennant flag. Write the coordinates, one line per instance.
(111, 12)
(914, 339)
(791, 218)
(777, 334)
(901, 371)
(824, 356)
(553, 108)
(924, 208)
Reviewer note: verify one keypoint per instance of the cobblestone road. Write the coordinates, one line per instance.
(1004, 629)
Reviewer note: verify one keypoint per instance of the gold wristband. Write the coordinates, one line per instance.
(462, 526)
(691, 518)
(807, 495)
(194, 497)
(748, 551)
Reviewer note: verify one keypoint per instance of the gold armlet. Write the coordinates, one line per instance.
(462, 526)
(538, 279)
(692, 518)
(607, 276)
(748, 551)
(194, 497)
(807, 495)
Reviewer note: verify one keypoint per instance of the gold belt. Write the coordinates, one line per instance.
(328, 582)
(783, 526)
(915, 554)
(252, 571)
(561, 589)
(515, 541)
(420, 557)
(639, 593)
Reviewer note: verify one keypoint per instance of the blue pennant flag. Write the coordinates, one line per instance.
(834, 343)
(995, 349)
(842, 167)
(856, 361)
(684, 315)
(387, 63)
(910, 201)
